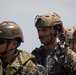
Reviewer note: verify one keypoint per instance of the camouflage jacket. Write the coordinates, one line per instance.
(56, 62)
(21, 64)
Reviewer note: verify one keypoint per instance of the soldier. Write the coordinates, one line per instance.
(71, 32)
(14, 61)
(56, 60)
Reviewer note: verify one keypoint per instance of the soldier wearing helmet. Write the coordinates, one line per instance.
(14, 61)
(71, 32)
(50, 54)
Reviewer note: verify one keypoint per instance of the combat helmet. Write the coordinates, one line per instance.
(49, 20)
(11, 30)
(71, 31)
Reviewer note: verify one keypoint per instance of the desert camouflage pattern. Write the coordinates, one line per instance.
(27, 68)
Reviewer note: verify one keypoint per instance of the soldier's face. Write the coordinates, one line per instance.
(2, 45)
(44, 35)
(72, 45)
(12, 44)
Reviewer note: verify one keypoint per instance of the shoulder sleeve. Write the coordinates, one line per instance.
(71, 60)
(34, 69)
(35, 51)
(29, 66)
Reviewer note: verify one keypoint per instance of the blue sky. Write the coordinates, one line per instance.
(23, 13)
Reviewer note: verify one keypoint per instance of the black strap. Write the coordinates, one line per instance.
(20, 69)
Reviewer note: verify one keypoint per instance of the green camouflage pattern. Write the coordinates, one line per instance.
(28, 67)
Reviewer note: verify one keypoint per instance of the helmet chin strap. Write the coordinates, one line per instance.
(6, 50)
(52, 34)
(40, 37)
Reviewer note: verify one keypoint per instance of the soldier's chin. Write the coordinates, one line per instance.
(43, 42)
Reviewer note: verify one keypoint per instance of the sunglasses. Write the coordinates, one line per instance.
(2, 41)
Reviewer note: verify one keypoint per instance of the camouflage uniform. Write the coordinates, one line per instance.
(56, 61)
(21, 64)
(14, 61)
